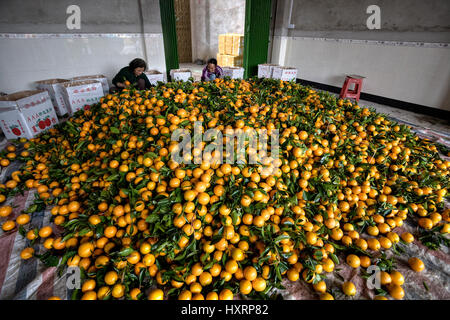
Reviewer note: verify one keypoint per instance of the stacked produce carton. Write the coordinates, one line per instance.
(284, 73)
(231, 50)
(180, 74)
(265, 70)
(55, 89)
(80, 94)
(233, 72)
(154, 76)
(274, 71)
(26, 114)
(98, 77)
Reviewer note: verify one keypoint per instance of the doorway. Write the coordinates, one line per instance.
(183, 30)
(176, 24)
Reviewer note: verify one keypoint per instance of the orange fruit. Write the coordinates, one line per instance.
(86, 249)
(5, 211)
(226, 294)
(156, 294)
(416, 264)
(45, 232)
(27, 253)
(23, 219)
(348, 288)
(259, 284)
(353, 261)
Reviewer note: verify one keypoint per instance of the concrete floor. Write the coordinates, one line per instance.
(417, 119)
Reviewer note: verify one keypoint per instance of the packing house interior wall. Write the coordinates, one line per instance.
(36, 43)
(407, 59)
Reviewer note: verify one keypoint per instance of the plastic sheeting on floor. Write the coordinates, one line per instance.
(30, 279)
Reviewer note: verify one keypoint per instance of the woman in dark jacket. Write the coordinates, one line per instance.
(134, 73)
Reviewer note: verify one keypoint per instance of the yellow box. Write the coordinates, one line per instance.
(237, 61)
(222, 43)
(238, 45)
(228, 44)
(226, 60)
(220, 59)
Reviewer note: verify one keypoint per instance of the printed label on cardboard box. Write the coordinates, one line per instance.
(265, 70)
(101, 78)
(284, 73)
(13, 125)
(233, 73)
(54, 89)
(180, 74)
(154, 77)
(38, 113)
(31, 115)
(82, 93)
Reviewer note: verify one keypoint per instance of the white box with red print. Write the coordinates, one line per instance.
(154, 76)
(180, 74)
(233, 72)
(265, 70)
(98, 77)
(25, 114)
(82, 94)
(284, 73)
(55, 90)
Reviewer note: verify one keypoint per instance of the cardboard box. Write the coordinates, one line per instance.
(233, 72)
(154, 76)
(219, 59)
(98, 77)
(222, 43)
(26, 114)
(180, 74)
(226, 60)
(231, 44)
(55, 90)
(238, 45)
(228, 44)
(265, 70)
(284, 73)
(78, 94)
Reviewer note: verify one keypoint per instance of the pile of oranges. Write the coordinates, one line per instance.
(143, 226)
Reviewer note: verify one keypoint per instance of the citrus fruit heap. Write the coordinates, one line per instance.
(141, 225)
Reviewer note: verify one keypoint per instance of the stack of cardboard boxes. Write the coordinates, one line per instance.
(231, 50)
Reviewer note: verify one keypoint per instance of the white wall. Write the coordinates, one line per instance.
(25, 60)
(36, 43)
(419, 75)
(408, 59)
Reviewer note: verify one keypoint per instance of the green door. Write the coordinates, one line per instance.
(169, 30)
(256, 36)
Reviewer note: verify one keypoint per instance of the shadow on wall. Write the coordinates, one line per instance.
(446, 100)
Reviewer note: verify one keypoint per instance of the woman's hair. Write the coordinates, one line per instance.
(213, 61)
(138, 63)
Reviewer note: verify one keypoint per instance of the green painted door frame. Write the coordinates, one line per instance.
(168, 22)
(256, 36)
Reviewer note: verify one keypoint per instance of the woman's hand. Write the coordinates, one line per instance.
(120, 85)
